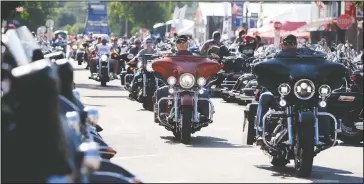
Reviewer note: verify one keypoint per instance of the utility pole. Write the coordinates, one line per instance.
(126, 25)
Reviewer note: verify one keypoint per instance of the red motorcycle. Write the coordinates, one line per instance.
(186, 77)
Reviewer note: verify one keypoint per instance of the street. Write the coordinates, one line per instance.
(216, 153)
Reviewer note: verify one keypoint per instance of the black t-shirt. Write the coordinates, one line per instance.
(248, 49)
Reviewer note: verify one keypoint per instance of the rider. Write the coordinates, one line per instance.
(148, 50)
(203, 106)
(216, 37)
(101, 48)
(248, 45)
(138, 46)
(116, 48)
(266, 99)
(239, 39)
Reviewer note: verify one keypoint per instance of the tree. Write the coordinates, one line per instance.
(35, 13)
(141, 14)
(359, 4)
(65, 18)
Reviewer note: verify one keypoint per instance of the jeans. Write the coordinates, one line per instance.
(266, 101)
(203, 105)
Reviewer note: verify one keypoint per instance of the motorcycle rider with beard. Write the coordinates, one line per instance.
(138, 46)
(267, 100)
(203, 106)
(148, 50)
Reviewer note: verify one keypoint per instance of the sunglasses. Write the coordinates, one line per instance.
(148, 42)
(138, 43)
(289, 43)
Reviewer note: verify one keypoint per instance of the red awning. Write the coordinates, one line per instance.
(286, 26)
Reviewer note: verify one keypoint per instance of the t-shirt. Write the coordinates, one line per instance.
(103, 49)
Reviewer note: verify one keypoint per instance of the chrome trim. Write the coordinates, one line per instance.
(144, 85)
(311, 85)
(195, 107)
(243, 97)
(264, 134)
(359, 125)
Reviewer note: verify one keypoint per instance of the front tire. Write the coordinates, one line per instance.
(185, 133)
(304, 147)
(103, 83)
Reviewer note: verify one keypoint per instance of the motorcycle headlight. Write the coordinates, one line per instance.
(130, 56)
(284, 89)
(201, 81)
(324, 90)
(74, 47)
(149, 67)
(139, 65)
(171, 80)
(187, 80)
(104, 58)
(92, 115)
(304, 89)
(73, 119)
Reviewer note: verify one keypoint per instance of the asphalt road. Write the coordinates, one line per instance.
(216, 153)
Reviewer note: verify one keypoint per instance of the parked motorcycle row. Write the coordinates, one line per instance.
(48, 135)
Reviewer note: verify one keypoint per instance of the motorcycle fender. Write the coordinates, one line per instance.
(98, 128)
(186, 100)
(306, 117)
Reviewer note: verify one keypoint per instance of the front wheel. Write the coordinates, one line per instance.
(305, 148)
(185, 130)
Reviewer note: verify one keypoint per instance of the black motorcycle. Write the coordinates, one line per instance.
(147, 83)
(127, 75)
(301, 85)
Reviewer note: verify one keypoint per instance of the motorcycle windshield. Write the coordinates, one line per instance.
(279, 70)
(13, 43)
(28, 42)
(177, 65)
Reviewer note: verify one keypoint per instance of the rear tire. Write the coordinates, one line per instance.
(185, 134)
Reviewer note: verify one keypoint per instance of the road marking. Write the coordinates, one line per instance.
(136, 156)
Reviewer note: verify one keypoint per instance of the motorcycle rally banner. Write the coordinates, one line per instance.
(97, 19)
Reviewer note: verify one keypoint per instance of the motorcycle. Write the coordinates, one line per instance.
(148, 83)
(53, 139)
(293, 131)
(127, 76)
(79, 56)
(193, 73)
(103, 69)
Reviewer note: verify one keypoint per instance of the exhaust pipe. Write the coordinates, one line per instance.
(359, 125)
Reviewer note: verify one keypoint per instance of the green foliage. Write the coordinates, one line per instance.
(35, 13)
(141, 14)
(359, 4)
(65, 18)
(74, 28)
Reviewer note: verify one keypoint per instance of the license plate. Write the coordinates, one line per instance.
(346, 98)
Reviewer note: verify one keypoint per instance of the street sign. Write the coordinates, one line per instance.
(344, 21)
(277, 25)
(50, 23)
(237, 22)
